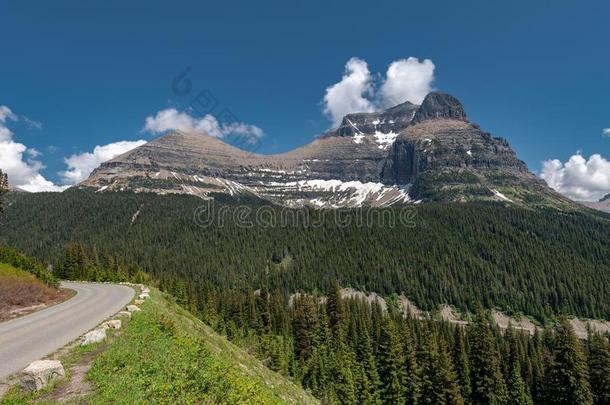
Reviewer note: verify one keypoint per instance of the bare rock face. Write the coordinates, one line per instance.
(40, 373)
(438, 105)
(402, 154)
(393, 119)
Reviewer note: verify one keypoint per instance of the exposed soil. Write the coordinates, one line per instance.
(19, 297)
(77, 386)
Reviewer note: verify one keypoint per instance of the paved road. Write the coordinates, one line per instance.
(34, 336)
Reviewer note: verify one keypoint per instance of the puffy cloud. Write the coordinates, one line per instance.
(18, 161)
(81, 165)
(579, 178)
(172, 119)
(606, 132)
(350, 94)
(6, 115)
(406, 80)
(23, 173)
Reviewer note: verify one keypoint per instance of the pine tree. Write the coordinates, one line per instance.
(391, 365)
(599, 368)
(567, 379)
(335, 309)
(411, 367)
(516, 387)
(438, 381)
(369, 390)
(460, 361)
(487, 382)
(304, 326)
(537, 362)
(448, 378)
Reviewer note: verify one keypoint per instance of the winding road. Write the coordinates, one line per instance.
(34, 336)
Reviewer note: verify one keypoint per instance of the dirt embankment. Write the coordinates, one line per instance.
(22, 293)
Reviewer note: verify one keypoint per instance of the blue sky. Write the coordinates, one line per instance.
(90, 74)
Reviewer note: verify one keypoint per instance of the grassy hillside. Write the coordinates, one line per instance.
(168, 356)
(22, 292)
(164, 355)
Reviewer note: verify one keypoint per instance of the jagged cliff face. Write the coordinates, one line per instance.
(403, 154)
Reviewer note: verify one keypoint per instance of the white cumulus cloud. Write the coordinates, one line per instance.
(350, 94)
(579, 178)
(81, 165)
(405, 80)
(606, 132)
(18, 161)
(172, 119)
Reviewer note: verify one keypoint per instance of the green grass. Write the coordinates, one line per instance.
(168, 356)
(6, 270)
(165, 355)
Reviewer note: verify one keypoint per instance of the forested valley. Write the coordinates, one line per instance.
(240, 280)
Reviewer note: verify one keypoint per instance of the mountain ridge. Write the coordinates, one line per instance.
(406, 153)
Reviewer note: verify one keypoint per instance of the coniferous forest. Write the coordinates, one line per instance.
(241, 280)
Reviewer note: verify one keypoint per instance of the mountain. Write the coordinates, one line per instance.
(407, 153)
(602, 205)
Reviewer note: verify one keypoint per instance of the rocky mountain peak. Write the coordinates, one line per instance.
(394, 119)
(439, 105)
(605, 198)
(407, 152)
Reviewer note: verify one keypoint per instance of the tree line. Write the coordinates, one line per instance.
(533, 262)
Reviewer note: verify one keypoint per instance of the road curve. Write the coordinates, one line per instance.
(34, 336)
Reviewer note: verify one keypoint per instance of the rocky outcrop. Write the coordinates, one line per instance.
(95, 336)
(402, 154)
(40, 373)
(125, 314)
(133, 308)
(392, 120)
(438, 105)
(112, 324)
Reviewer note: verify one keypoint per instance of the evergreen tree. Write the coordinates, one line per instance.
(567, 379)
(411, 366)
(304, 326)
(487, 382)
(460, 361)
(438, 381)
(369, 390)
(334, 305)
(537, 363)
(516, 387)
(448, 378)
(391, 365)
(599, 368)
